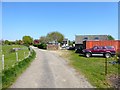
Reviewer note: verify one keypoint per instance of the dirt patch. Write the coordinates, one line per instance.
(114, 80)
(61, 53)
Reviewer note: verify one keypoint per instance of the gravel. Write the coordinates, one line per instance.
(48, 70)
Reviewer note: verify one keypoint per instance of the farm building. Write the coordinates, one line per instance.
(36, 41)
(65, 42)
(53, 45)
(79, 39)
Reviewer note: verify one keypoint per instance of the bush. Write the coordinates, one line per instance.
(41, 46)
(35, 45)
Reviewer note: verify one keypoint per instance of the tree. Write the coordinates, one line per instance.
(71, 43)
(55, 36)
(43, 39)
(27, 40)
(7, 42)
(18, 42)
(110, 37)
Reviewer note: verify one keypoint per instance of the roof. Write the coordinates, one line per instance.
(52, 42)
(65, 39)
(80, 38)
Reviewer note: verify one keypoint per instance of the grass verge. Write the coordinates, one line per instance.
(92, 68)
(11, 74)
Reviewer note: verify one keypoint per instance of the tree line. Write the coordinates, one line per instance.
(28, 40)
(55, 37)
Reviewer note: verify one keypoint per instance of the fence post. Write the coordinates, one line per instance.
(3, 62)
(29, 54)
(30, 49)
(17, 56)
(118, 71)
(106, 66)
(24, 55)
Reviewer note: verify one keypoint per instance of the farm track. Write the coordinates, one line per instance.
(49, 70)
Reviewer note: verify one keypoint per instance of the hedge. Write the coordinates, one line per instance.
(10, 75)
(41, 46)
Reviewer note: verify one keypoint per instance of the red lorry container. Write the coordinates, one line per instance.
(115, 43)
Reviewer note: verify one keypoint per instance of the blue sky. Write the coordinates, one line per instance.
(69, 18)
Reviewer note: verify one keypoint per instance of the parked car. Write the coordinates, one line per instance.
(71, 48)
(106, 51)
(65, 47)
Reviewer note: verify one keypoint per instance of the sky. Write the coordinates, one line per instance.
(36, 19)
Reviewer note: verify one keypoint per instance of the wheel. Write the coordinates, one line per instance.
(107, 55)
(88, 55)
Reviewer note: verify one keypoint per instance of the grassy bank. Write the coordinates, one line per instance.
(92, 68)
(11, 74)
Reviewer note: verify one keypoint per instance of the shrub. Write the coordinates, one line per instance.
(35, 45)
(41, 46)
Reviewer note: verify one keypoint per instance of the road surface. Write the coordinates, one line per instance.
(48, 70)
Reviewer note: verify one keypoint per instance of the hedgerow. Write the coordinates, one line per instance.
(41, 46)
(11, 74)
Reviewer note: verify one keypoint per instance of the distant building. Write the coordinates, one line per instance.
(65, 42)
(53, 45)
(79, 39)
(21, 42)
(36, 41)
(53, 42)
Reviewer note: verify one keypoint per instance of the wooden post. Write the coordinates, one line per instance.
(3, 62)
(17, 56)
(29, 53)
(24, 55)
(30, 49)
(118, 71)
(105, 66)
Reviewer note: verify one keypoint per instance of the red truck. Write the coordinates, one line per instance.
(106, 51)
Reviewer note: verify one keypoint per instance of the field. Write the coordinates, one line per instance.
(92, 68)
(10, 56)
(13, 69)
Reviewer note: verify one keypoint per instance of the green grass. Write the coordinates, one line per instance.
(92, 68)
(10, 75)
(10, 57)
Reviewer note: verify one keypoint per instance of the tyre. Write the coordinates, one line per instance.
(107, 55)
(88, 55)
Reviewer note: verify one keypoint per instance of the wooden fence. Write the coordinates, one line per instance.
(17, 59)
